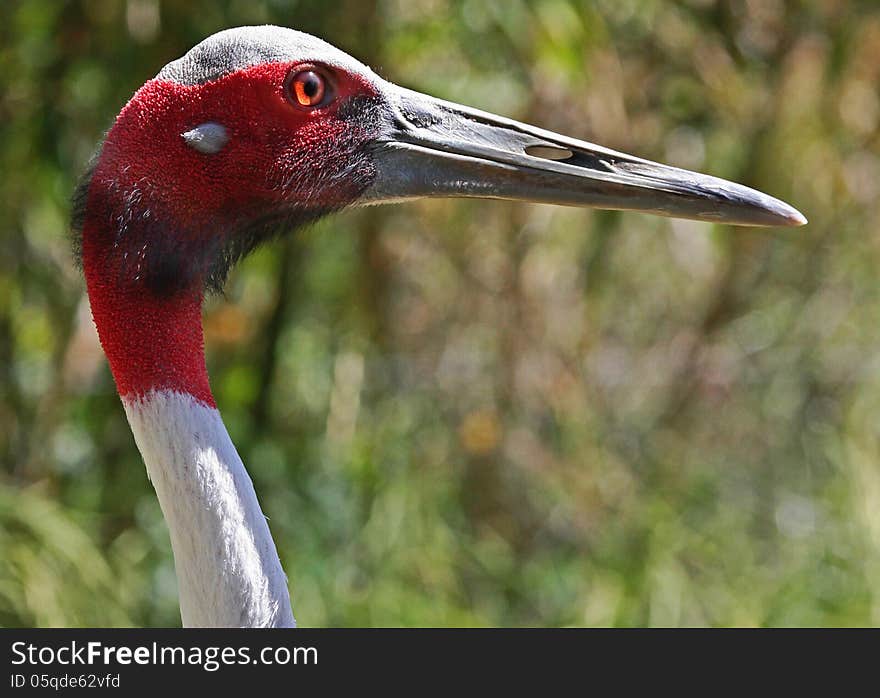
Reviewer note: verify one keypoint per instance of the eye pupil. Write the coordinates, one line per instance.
(308, 88)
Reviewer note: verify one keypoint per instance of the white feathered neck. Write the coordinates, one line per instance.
(228, 570)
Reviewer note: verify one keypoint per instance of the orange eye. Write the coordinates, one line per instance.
(307, 88)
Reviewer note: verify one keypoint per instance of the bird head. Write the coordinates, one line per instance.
(257, 130)
(260, 129)
(254, 130)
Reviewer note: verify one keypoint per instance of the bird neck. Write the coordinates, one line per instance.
(227, 566)
(152, 342)
(228, 570)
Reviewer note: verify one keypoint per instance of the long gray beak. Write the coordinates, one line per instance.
(433, 148)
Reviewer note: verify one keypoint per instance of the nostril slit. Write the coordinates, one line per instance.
(548, 152)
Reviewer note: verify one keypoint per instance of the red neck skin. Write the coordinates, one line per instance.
(152, 343)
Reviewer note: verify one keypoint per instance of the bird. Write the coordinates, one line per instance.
(254, 132)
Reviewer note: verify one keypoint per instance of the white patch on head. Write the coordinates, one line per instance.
(208, 138)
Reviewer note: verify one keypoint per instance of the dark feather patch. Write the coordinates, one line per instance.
(78, 202)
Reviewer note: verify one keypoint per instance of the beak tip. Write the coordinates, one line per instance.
(782, 214)
(794, 218)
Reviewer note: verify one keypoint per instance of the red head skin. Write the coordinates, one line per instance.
(152, 198)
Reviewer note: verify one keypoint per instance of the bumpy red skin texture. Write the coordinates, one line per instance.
(276, 150)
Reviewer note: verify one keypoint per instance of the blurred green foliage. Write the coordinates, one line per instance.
(474, 412)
